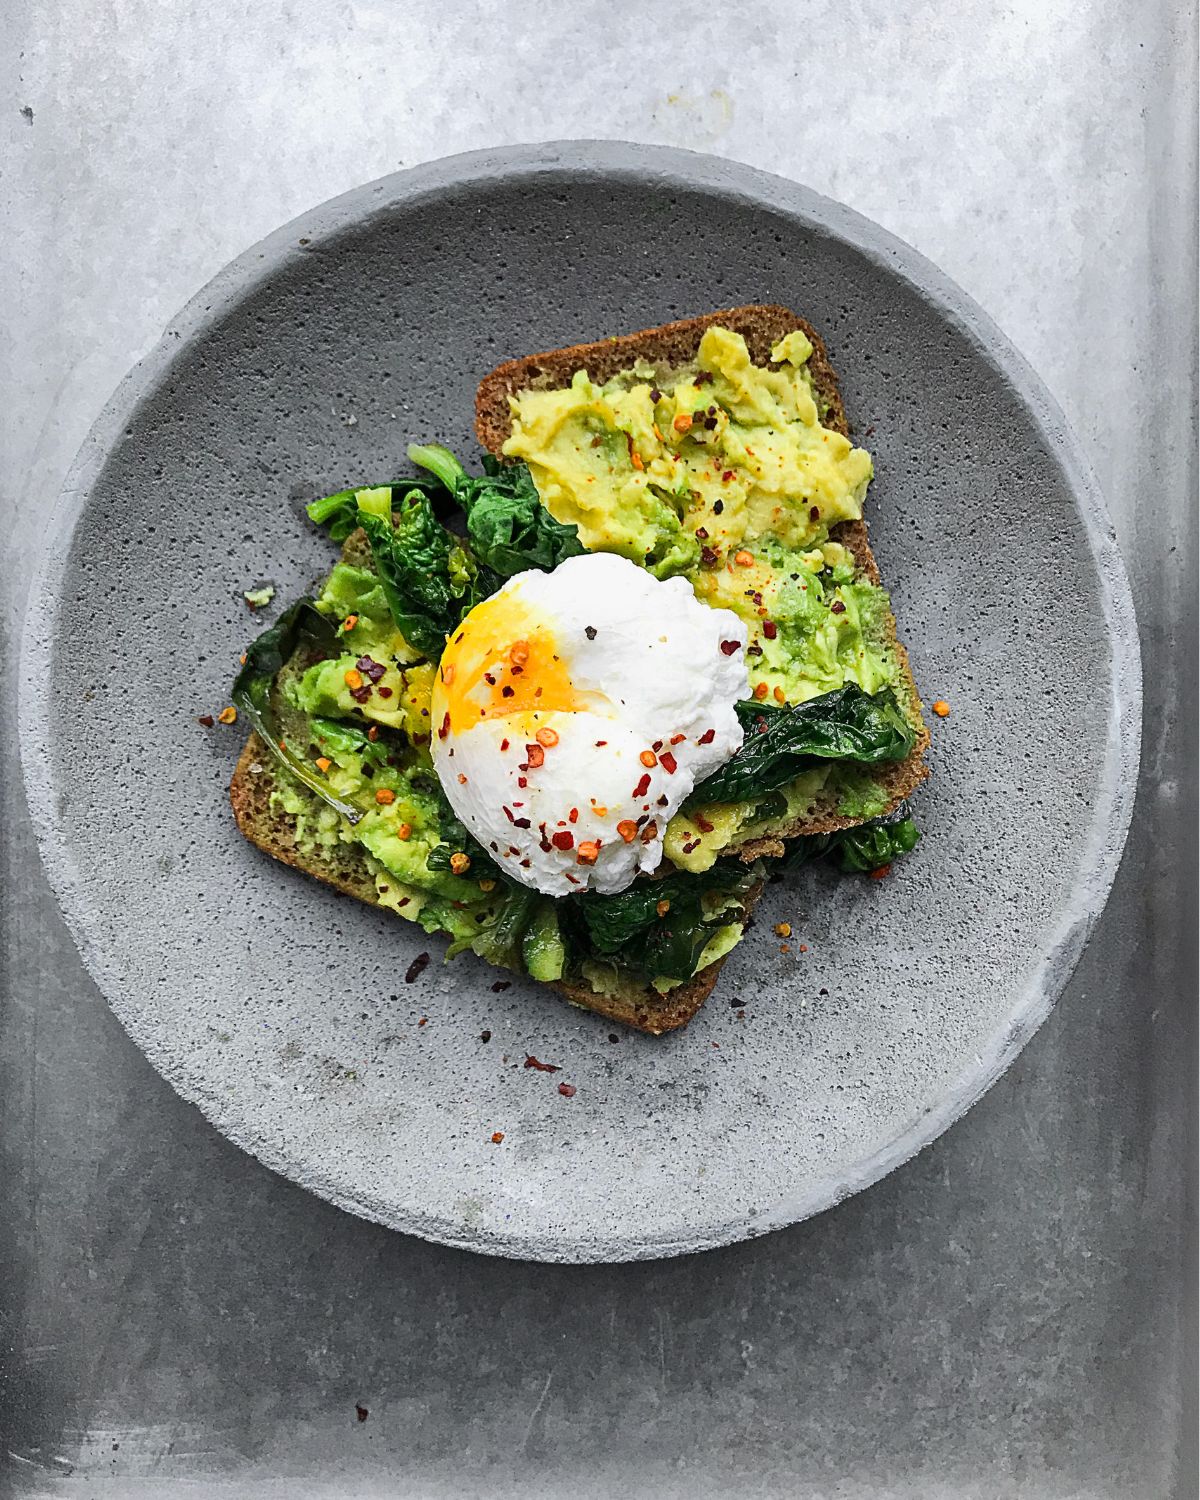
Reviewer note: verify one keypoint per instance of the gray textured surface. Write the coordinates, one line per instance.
(1003, 1316)
(272, 1005)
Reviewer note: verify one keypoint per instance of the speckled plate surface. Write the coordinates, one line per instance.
(281, 1009)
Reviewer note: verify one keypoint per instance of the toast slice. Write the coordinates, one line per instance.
(347, 867)
(672, 346)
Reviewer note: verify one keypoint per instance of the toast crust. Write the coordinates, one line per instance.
(674, 344)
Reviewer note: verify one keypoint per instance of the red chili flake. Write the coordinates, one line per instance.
(705, 377)
(837, 608)
(370, 668)
(489, 679)
(506, 691)
(589, 852)
(507, 812)
(590, 632)
(662, 802)
(650, 832)
(642, 787)
(563, 840)
(416, 968)
(532, 1062)
(882, 873)
(535, 755)
(709, 557)
(600, 743)
(520, 822)
(207, 720)
(567, 1090)
(424, 1021)
(761, 725)
(729, 647)
(445, 727)
(522, 782)
(657, 745)
(360, 695)
(815, 513)
(709, 734)
(702, 823)
(695, 844)
(702, 533)
(770, 629)
(573, 815)
(668, 762)
(718, 507)
(504, 744)
(361, 1413)
(497, 1137)
(726, 476)
(754, 649)
(384, 692)
(678, 739)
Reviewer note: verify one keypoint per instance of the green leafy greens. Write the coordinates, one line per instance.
(628, 925)
(780, 743)
(508, 527)
(412, 557)
(865, 847)
(300, 627)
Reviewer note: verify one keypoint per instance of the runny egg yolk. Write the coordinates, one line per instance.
(503, 662)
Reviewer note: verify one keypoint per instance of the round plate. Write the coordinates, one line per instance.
(281, 1009)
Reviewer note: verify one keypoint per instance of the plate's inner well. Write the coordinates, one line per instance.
(284, 1010)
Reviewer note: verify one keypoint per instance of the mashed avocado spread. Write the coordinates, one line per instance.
(722, 472)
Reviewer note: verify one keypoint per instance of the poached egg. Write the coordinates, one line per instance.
(573, 713)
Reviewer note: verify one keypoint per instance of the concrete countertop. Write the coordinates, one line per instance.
(1005, 1316)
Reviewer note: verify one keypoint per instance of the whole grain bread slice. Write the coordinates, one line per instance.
(672, 346)
(345, 867)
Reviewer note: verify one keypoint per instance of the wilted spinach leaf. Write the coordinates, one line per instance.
(628, 926)
(865, 847)
(872, 845)
(780, 743)
(338, 514)
(508, 527)
(338, 735)
(300, 626)
(430, 579)
(499, 939)
(412, 557)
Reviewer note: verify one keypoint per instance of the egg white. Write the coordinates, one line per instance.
(647, 665)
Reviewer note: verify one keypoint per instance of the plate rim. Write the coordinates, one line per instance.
(1112, 807)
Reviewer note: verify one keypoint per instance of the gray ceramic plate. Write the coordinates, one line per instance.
(281, 1009)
